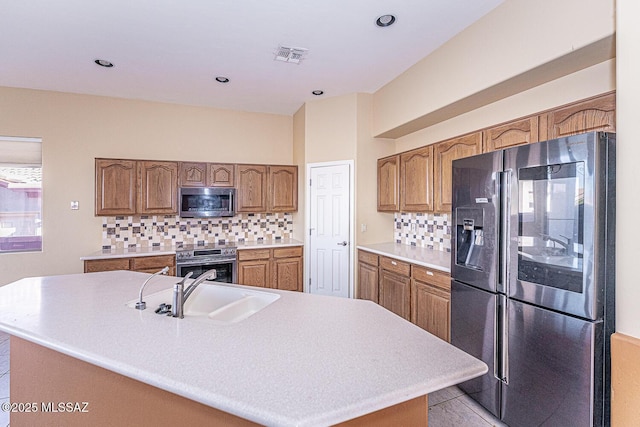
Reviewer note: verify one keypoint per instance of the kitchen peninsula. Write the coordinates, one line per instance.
(304, 360)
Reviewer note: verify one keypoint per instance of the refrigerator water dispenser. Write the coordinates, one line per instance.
(470, 238)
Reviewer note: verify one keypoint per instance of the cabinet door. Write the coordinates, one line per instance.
(152, 264)
(192, 174)
(591, 115)
(416, 180)
(431, 309)
(252, 188)
(283, 189)
(519, 132)
(367, 282)
(158, 187)
(220, 175)
(255, 273)
(287, 274)
(389, 184)
(395, 293)
(116, 185)
(444, 154)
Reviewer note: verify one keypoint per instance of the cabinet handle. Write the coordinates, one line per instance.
(394, 263)
(429, 273)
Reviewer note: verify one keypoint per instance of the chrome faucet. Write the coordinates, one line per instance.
(141, 305)
(180, 295)
(565, 245)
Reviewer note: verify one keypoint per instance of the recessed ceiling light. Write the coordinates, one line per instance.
(221, 79)
(317, 92)
(385, 20)
(103, 63)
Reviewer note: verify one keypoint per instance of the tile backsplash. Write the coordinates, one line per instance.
(156, 230)
(427, 230)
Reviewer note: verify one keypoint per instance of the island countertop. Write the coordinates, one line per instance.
(304, 360)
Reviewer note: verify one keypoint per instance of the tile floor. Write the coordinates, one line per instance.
(447, 408)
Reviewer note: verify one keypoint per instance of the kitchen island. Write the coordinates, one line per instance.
(304, 360)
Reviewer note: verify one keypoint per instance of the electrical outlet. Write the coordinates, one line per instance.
(363, 227)
(75, 205)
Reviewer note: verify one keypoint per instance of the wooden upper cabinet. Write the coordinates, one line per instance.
(389, 184)
(193, 174)
(283, 189)
(444, 153)
(158, 187)
(416, 180)
(220, 175)
(116, 185)
(251, 188)
(519, 132)
(596, 114)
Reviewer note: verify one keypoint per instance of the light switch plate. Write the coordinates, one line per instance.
(75, 205)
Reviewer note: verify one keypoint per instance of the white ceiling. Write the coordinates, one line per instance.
(172, 50)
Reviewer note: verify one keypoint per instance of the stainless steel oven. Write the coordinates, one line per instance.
(201, 258)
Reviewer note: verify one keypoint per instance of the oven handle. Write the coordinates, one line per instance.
(205, 262)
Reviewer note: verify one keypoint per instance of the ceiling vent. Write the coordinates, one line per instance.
(290, 54)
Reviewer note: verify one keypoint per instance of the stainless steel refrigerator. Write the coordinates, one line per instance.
(532, 295)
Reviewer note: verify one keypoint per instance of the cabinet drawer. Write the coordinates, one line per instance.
(152, 262)
(288, 252)
(368, 258)
(431, 276)
(251, 254)
(111, 264)
(397, 266)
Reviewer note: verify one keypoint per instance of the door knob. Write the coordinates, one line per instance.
(342, 243)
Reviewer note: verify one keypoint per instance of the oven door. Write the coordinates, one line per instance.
(225, 270)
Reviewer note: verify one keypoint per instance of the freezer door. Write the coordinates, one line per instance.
(561, 249)
(473, 330)
(474, 243)
(555, 369)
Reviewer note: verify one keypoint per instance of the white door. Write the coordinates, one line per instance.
(329, 234)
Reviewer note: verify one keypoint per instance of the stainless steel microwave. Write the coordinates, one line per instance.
(206, 202)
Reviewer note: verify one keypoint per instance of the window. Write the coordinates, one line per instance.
(20, 194)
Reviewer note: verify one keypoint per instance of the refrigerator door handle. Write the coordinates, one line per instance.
(503, 231)
(501, 341)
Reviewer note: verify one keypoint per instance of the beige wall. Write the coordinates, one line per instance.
(331, 129)
(594, 80)
(299, 153)
(77, 128)
(513, 48)
(378, 226)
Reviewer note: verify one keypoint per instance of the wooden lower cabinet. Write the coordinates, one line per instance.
(143, 264)
(419, 294)
(279, 268)
(367, 276)
(395, 291)
(431, 301)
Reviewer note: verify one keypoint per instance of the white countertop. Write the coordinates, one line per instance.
(171, 250)
(425, 257)
(304, 360)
